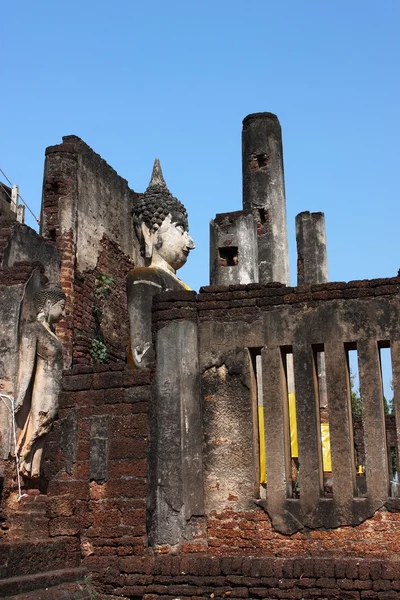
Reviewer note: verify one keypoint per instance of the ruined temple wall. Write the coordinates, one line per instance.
(229, 322)
(80, 190)
(96, 466)
(96, 449)
(86, 212)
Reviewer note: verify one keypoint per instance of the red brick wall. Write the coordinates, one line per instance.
(19, 273)
(60, 192)
(245, 302)
(102, 315)
(227, 577)
(251, 532)
(109, 516)
(84, 517)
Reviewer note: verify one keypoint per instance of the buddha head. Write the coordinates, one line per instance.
(161, 225)
(51, 304)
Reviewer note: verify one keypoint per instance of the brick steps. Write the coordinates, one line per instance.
(25, 558)
(29, 518)
(50, 585)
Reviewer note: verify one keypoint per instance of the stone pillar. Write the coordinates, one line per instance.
(312, 261)
(175, 456)
(312, 268)
(264, 193)
(233, 249)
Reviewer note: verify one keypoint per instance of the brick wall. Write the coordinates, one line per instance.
(86, 210)
(227, 577)
(19, 273)
(93, 500)
(103, 503)
(57, 224)
(108, 517)
(100, 311)
(248, 301)
(251, 532)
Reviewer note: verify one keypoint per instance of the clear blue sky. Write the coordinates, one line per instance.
(173, 79)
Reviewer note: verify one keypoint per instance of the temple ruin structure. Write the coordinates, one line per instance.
(237, 460)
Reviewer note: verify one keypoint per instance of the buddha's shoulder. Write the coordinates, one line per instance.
(144, 275)
(153, 276)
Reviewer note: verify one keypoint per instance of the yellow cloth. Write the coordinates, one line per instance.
(294, 447)
(325, 436)
(293, 425)
(261, 437)
(185, 285)
(326, 447)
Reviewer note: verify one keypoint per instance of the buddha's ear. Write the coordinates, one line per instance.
(148, 238)
(47, 307)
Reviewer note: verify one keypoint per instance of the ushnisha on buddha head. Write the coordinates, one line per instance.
(161, 225)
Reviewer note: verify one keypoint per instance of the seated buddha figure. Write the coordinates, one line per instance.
(161, 225)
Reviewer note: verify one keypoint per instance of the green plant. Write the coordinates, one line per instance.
(94, 594)
(97, 312)
(356, 401)
(103, 285)
(98, 350)
(388, 405)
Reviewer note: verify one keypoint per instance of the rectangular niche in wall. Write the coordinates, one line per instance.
(228, 256)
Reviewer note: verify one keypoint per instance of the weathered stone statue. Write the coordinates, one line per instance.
(161, 225)
(40, 364)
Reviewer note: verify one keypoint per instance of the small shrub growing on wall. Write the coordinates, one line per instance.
(98, 350)
(103, 285)
(102, 288)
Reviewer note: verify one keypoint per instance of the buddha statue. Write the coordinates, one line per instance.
(40, 365)
(161, 225)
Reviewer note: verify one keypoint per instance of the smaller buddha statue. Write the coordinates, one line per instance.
(40, 365)
(161, 226)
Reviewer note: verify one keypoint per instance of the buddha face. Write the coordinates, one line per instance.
(56, 311)
(173, 242)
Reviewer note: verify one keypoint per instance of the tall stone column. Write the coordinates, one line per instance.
(264, 193)
(312, 260)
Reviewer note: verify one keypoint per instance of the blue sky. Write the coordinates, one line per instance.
(173, 79)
